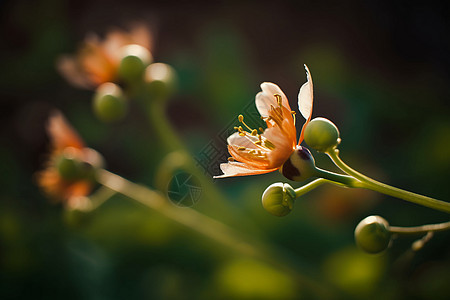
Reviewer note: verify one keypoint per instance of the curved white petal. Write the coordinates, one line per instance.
(231, 169)
(305, 96)
(265, 99)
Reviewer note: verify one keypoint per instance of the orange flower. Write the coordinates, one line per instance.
(59, 181)
(98, 61)
(258, 153)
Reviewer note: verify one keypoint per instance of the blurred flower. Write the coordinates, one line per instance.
(258, 153)
(98, 61)
(69, 172)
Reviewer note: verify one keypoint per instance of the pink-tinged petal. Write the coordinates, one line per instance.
(305, 96)
(305, 102)
(62, 135)
(284, 146)
(265, 99)
(246, 141)
(70, 69)
(232, 169)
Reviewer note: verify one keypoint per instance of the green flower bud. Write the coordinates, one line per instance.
(160, 80)
(300, 165)
(78, 164)
(278, 199)
(134, 60)
(322, 135)
(372, 234)
(109, 102)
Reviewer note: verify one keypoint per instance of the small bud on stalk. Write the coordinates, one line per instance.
(372, 234)
(109, 102)
(134, 60)
(78, 164)
(160, 80)
(322, 135)
(278, 199)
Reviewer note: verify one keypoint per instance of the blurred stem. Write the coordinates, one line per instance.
(374, 185)
(158, 119)
(216, 201)
(100, 196)
(210, 228)
(420, 229)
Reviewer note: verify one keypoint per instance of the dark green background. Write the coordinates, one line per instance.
(381, 72)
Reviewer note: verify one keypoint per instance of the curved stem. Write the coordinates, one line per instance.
(308, 187)
(420, 229)
(339, 179)
(374, 185)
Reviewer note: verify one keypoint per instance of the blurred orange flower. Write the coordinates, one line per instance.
(58, 180)
(97, 61)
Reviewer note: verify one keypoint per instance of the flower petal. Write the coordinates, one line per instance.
(259, 162)
(246, 141)
(70, 69)
(232, 169)
(265, 99)
(305, 97)
(62, 135)
(284, 146)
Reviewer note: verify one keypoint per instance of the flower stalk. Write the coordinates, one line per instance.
(377, 186)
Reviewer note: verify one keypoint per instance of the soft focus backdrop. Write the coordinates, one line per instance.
(381, 73)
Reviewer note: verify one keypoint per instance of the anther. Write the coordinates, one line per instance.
(254, 132)
(241, 118)
(269, 144)
(241, 148)
(278, 99)
(258, 143)
(261, 129)
(230, 159)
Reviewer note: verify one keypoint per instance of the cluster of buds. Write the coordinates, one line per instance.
(116, 68)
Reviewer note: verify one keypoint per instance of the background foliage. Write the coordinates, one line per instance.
(381, 72)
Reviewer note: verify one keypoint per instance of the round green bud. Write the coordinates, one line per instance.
(372, 234)
(109, 102)
(300, 165)
(133, 61)
(278, 199)
(71, 166)
(322, 135)
(160, 80)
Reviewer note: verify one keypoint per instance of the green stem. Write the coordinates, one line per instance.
(210, 228)
(339, 179)
(308, 187)
(374, 185)
(420, 229)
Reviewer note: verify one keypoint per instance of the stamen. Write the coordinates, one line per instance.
(269, 144)
(278, 99)
(242, 121)
(293, 115)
